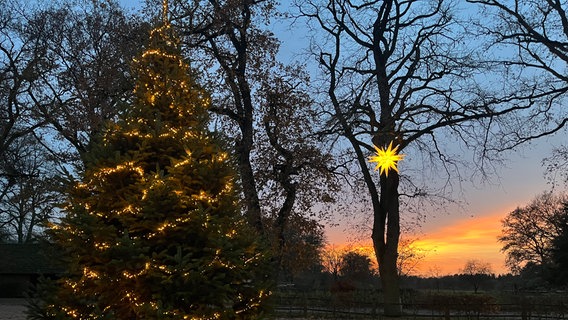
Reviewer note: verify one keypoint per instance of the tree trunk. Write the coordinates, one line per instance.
(251, 200)
(390, 284)
(282, 220)
(386, 232)
(246, 124)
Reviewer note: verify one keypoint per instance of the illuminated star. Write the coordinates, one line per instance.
(386, 159)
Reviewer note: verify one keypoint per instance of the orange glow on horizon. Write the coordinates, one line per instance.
(448, 247)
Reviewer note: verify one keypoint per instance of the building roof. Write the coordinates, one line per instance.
(26, 259)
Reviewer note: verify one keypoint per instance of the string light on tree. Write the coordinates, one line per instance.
(153, 225)
(386, 159)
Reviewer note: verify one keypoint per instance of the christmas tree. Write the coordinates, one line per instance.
(153, 230)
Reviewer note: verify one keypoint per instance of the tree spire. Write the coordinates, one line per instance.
(165, 17)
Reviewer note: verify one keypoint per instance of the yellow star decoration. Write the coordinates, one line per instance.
(386, 159)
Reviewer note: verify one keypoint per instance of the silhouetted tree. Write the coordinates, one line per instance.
(26, 171)
(559, 274)
(21, 66)
(409, 256)
(476, 272)
(355, 266)
(30, 201)
(293, 172)
(530, 38)
(227, 36)
(64, 72)
(528, 232)
(331, 258)
(297, 247)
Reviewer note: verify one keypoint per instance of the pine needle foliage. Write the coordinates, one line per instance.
(153, 230)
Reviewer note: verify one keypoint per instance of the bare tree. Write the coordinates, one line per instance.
(64, 71)
(532, 37)
(87, 76)
(25, 197)
(20, 65)
(30, 202)
(529, 41)
(409, 256)
(557, 166)
(331, 258)
(476, 272)
(405, 72)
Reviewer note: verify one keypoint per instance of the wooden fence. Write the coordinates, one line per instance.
(443, 307)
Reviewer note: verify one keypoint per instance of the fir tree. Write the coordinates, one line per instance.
(153, 230)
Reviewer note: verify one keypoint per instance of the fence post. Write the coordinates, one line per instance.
(525, 313)
(305, 305)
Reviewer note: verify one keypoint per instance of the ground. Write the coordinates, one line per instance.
(12, 309)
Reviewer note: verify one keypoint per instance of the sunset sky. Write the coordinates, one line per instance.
(448, 247)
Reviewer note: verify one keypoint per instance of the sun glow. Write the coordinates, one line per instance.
(450, 246)
(386, 159)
